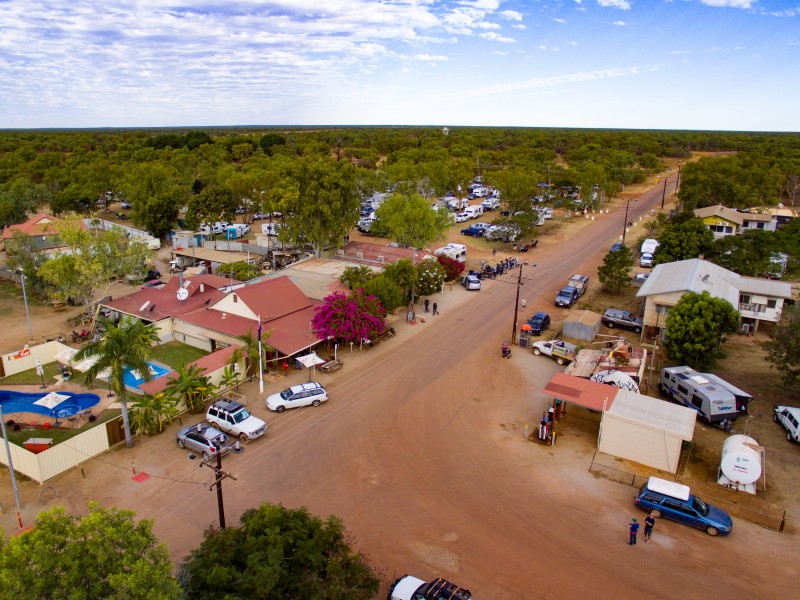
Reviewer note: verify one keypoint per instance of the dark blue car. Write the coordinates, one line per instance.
(539, 322)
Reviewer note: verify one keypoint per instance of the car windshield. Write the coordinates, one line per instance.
(286, 394)
(700, 506)
(241, 415)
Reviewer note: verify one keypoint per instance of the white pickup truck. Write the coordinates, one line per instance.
(411, 588)
(559, 351)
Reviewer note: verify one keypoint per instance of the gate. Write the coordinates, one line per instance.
(115, 431)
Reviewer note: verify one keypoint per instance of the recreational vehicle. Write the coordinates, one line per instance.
(713, 402)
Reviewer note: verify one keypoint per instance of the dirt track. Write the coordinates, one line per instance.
(420, 450)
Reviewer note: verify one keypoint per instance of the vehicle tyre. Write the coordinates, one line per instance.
(789, 437)
(205, 456)
(638, 330)
(243, 438)
(610, 325)
(181, 444)
(775, 417)
(315, 403)
(710, 530)
(536, 352)
(655, 512)
(280, 409)
(560, 361)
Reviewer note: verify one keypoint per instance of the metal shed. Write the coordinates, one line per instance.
(582, 325)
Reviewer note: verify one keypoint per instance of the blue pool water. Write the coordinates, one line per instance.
(134, 379)
(24, 402)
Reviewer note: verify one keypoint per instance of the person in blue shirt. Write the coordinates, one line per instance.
(634, 529)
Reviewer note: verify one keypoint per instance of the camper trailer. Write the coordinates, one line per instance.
(454, 251)
(714, 403)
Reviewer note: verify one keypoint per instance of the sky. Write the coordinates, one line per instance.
(651, 64)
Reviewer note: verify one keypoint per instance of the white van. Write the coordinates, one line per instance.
(491, 203)
(474, 211)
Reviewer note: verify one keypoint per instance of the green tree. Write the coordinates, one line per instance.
(385, 290)
(409, 221)
(431, 277)
(211, 205)
(270, 140)
(191, 386)
(404, 275)
(106, 554)
(783, 347)
(319, 197)
(151, 414)
(615, 273)
(278, 553)
(126, 344)
(683, 241)
(249, 349)
(696, 327)
(357, 277)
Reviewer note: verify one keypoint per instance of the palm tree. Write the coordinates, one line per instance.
(250, 348)
(356, 277)
(191, 385)
(127, 344)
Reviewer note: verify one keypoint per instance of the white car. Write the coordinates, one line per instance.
(646, 260)
(462, 217)
(305, 394)
(471, 282)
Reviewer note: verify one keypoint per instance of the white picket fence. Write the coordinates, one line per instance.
(62, 457)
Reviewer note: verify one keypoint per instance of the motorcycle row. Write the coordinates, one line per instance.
(490, 272)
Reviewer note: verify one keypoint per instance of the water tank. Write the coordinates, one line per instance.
(740, 462)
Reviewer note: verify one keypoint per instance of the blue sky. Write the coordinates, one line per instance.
(665, 64)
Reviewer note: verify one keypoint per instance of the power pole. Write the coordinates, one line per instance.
(664, 193)
(516, 306)
(218, 482)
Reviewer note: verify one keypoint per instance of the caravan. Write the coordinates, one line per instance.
(714, 403)
(454, 251)
(474, 211)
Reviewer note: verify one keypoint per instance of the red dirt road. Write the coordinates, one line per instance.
(420, 450)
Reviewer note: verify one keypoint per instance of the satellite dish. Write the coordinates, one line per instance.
(145, 305)
(183, 294)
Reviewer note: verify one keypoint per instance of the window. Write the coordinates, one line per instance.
(772, 303)
(683, 390)
(697, 401)
(744, 299)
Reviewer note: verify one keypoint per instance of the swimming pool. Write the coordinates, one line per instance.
(134, 379)
(24, 402)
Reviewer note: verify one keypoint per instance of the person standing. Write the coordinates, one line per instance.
(649, 523)
(634, 529)
(435, 308)
(427, 305)
(483, 263)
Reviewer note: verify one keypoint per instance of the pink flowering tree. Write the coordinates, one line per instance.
(349, 318)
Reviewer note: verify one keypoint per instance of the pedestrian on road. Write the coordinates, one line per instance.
(427, 305)
(435, 308)
(649, 522)
(494, 251)
(634, 529)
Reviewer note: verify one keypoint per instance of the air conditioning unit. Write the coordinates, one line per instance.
(359, 255)
(380, 259)
(340, 252)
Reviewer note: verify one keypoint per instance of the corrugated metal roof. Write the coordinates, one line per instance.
(720, 211)
(659, 414)
(697, 275)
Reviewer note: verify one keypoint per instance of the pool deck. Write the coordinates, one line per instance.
(33, 420)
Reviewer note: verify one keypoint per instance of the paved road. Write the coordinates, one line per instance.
(420, 451)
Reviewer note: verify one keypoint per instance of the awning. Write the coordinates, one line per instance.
(311, 360)
(583, 392)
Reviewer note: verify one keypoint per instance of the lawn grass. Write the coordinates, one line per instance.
(58, 434)
(30, 377)
(176, 354)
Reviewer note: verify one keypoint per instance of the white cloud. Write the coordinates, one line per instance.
(511, 15)
(558, 20)
(521, 26)
(496, 37)
(573, 44)
(729, 3)
(431, 57)
(558, 80)
(622, 4)
(676, 52)
(619, 23)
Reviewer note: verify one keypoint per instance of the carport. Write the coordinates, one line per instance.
(635, 427)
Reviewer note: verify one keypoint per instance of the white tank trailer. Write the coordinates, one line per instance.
(741, 464)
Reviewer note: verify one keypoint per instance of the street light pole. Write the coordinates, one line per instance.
(25, 300)
(625, 224)
(664, 193)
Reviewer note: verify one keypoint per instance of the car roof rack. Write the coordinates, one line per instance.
(441, 589)
(227, 404)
